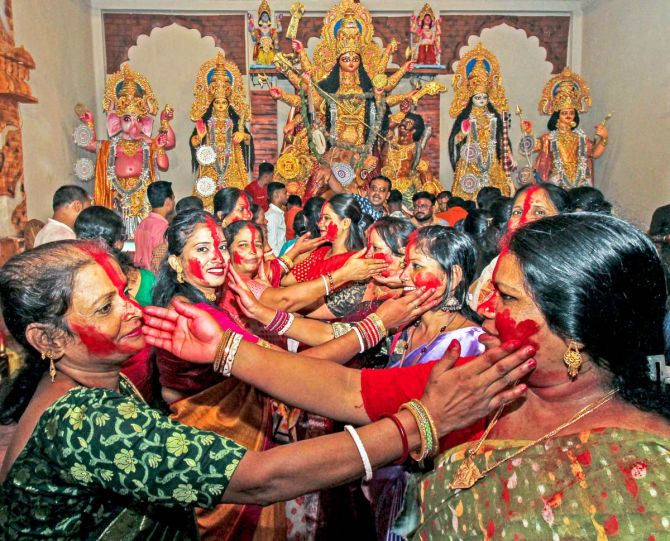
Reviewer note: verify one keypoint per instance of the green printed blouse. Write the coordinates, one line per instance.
(606, 484)
(103, 465)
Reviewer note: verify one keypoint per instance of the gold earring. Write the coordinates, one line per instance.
(52, 365)
(180, 273)
(572, 359)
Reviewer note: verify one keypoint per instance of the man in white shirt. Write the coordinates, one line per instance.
(278, 196)
(68, 202)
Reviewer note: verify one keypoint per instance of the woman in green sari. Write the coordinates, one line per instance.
(585, 455)
(90, 460)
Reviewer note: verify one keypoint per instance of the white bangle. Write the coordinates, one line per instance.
(360, 338)
(230, 358)
(286, 327)
(325, 284)
(361, 451)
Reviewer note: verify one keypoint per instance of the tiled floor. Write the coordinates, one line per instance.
(6, 433)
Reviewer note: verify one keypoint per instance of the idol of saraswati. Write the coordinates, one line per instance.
(344, 98)
(221, 145)
(479, 147)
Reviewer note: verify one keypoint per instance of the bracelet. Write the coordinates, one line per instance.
(230, 358)
(378, 323)
(357, 332)
(287, 325)
(287, 261)
(331, 282)
(371, 331)
(325, 285)
(278, 322)
(403, 437)
(220, 349)
(604, 141)
(361, 451)
(282, 264)
(429, 441)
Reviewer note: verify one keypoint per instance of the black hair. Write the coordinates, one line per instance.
(451, 248)
(177, 235)
(98, 222)
(36, 286)
(455, 148)
(423, 195)
(395, 233)
(255, 212)
(479, 225)
(190, 202)
(501, 210)
(588, 199)
(553, 120)
(442, 194)
(294, 201)
(344, 205)
(486, 196)
(419, 126)
(300, 224)
(265, 168)
(274, 187)
(225, 201)
(158, 192)
(456, 202)
(233, 229)
(395, 197)
(68, 194)
(383, 178)
(312, 211)
(599, 281)
(247, 149)
(557, 195)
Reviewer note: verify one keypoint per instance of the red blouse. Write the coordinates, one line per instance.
(384, 391)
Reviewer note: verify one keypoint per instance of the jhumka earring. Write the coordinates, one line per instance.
(52, 365)
(452, 304)
(572, 359)
(180, 273)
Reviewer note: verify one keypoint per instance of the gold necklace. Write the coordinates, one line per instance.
(468, 473)
(130, 147)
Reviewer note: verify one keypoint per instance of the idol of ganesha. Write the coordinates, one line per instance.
(127, 161)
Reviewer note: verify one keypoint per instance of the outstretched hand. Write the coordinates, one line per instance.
(186, 331)
(457, 397)
(398, 312)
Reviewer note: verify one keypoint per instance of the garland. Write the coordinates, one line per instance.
(484, 167)
(221, 171)
(559, 172)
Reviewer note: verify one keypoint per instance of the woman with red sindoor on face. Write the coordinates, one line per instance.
(531, 203)
(90, 460)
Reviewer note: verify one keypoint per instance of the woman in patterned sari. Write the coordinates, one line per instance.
(89, 460)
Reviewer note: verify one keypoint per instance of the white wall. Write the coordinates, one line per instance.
(59, 37)
(625, 47)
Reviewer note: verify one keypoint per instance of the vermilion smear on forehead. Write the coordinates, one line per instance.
(331, 231)
(252, 230)
(509, 329)
(103, 259)
(527, 203)
(427, 280)
(195, 269)
(216, 238)
(245, 201)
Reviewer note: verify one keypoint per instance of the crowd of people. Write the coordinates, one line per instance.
(481, 365)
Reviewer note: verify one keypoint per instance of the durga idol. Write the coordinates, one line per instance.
(127, 161)
(566, 154)
(479, 147)
(345, 98)
(221, 145)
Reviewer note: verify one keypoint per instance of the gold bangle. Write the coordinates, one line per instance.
(430, 443)
(423, 449)
(378, 323)
(221, 349)
(604, 141)
(288, 261)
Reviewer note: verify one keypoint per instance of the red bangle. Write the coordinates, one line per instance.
(403, 437)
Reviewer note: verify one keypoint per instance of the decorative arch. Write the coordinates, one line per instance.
(551, 31)
(123, 29)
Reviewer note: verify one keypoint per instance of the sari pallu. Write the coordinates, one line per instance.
(598, 485)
